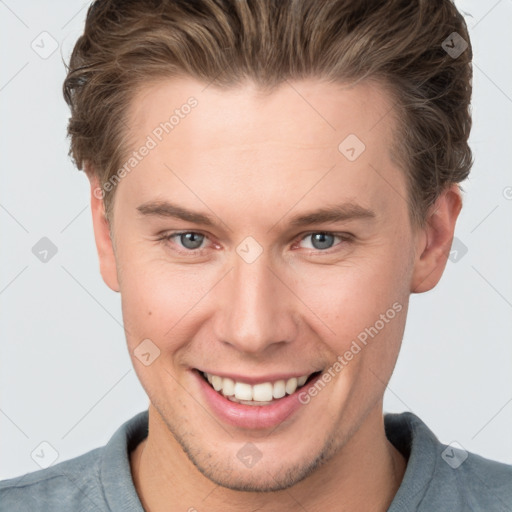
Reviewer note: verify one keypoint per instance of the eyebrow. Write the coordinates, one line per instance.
(335, 213)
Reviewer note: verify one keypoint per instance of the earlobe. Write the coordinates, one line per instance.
(435, 239)
(104, 246)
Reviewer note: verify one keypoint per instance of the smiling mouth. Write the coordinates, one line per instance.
(264, 393)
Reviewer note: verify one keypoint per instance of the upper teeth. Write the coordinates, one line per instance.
(263, 392)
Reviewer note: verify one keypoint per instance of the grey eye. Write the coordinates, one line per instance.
(191, 240)
(321, 240)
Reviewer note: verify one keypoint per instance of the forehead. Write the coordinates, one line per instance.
(331, 139)
(305, 113)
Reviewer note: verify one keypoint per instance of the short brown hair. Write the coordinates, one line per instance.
(400, 43)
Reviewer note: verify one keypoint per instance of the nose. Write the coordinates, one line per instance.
(257, 308)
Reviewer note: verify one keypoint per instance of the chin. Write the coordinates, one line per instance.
(260, 480)
(263, 476)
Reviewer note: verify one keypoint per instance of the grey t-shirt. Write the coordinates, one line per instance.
(437, 478)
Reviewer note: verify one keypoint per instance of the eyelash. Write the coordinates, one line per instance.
(344, 237)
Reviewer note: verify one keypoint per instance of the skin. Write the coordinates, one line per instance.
(252, 162)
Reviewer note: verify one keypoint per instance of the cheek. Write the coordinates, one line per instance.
(366, 308)
(157, 305)
(159, 299)
(354, 298)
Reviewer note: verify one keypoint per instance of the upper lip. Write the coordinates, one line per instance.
(258, 379)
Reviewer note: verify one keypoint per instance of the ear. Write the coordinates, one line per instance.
(434, 240)
(104, 245)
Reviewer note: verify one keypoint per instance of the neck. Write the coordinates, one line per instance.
(368, 471)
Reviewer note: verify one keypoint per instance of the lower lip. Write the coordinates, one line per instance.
(251, 416)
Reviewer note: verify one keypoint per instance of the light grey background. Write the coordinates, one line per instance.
(66, 377)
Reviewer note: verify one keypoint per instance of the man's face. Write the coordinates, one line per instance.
(253, 295)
